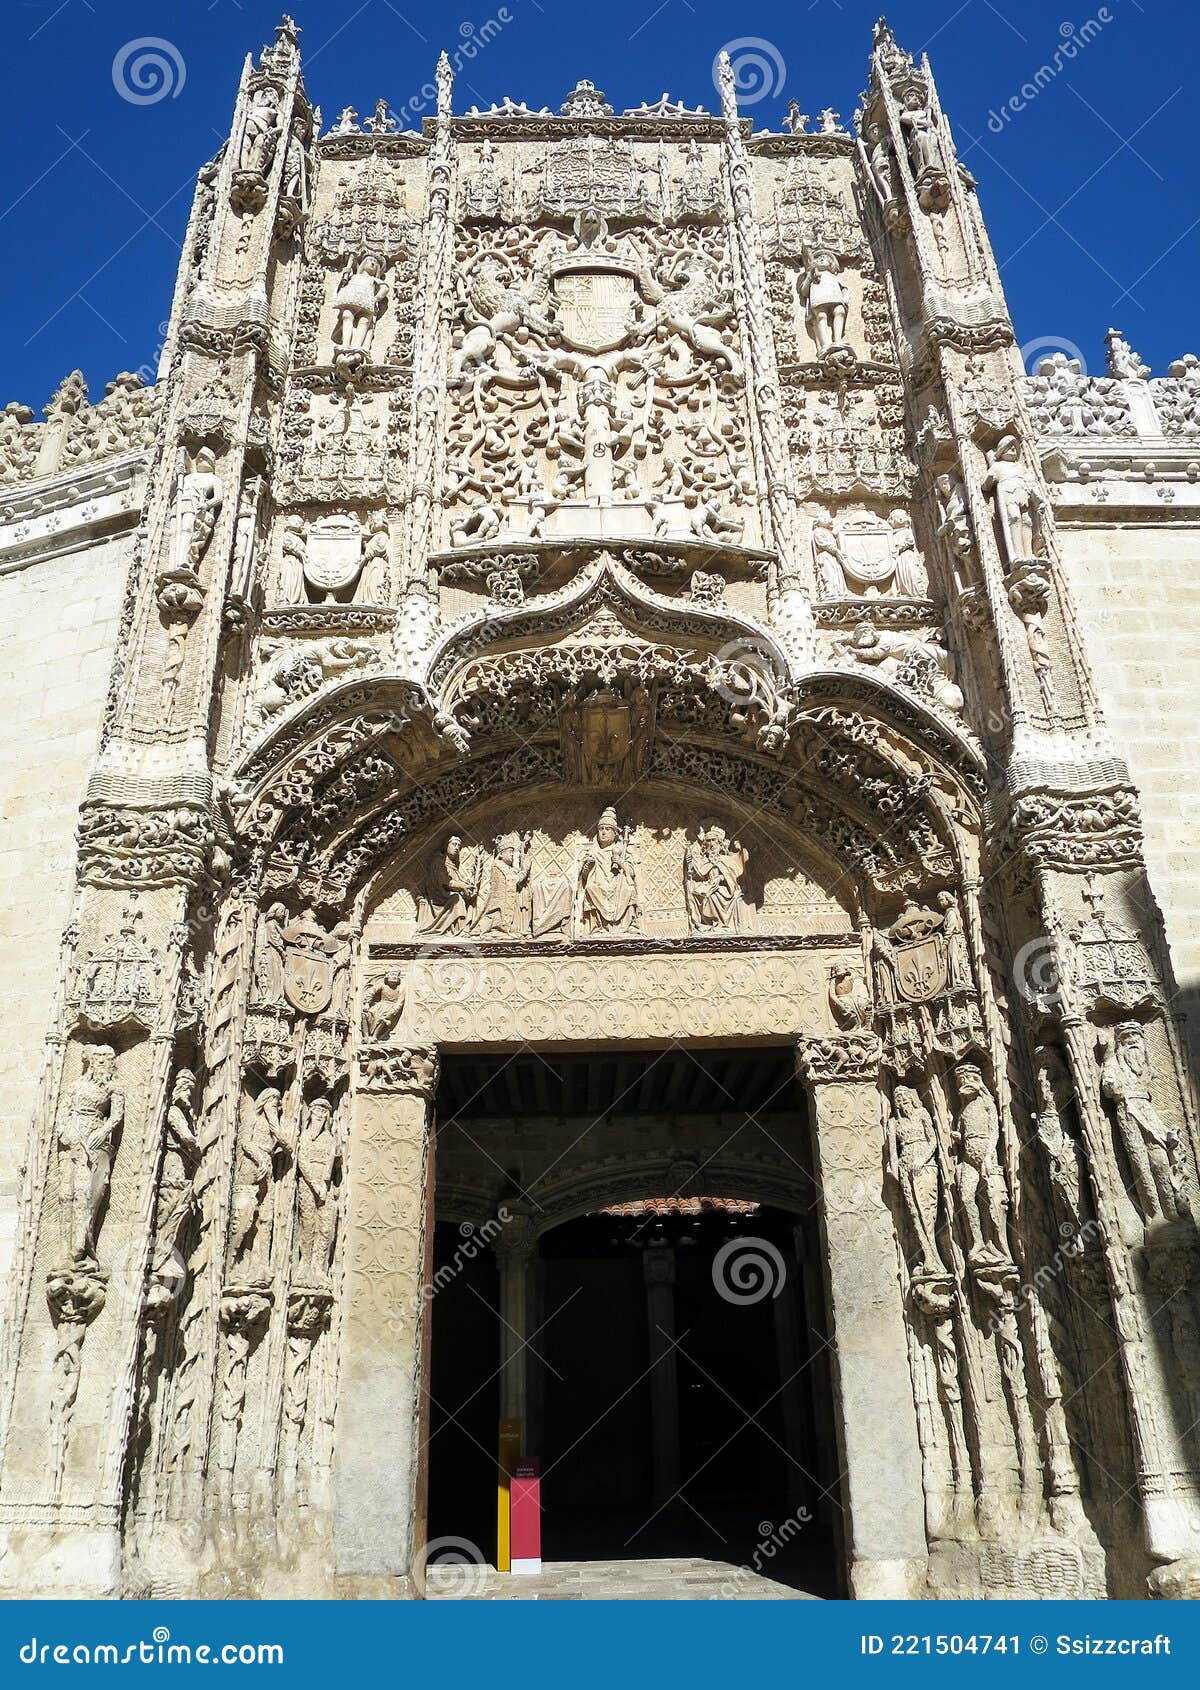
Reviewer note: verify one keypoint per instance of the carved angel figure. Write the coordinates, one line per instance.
(267, 979)
(607, 897)
(1149, 1143)
(359, 302)
(713, 866)
(958, 955)
(93, 1116)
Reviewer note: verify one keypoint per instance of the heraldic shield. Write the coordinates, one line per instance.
(308, 981)
(921, 970)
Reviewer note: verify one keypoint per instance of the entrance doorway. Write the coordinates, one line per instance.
(673, 1369)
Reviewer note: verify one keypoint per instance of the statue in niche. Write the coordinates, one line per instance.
(1017, 501)
(911, 579)
(506, 905)
(982, 1194)
(201, 496)
(826, 301)
(181, 1152)
(261, 1137)
(317, 1158)
(295, 165)
(359, 302)
(879, 163)
(924, 150)
(260, 136)
(607, 897)
(713, 865)
(93, 1116)
(1064, 1158)
(383, 1007)
(450, 891)
(955, 524)
(1151, 1146)
(883, 960)
(849, 1000)
(267, 978)
(916, 1171)
(958, 955)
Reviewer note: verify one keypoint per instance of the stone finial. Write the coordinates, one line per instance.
(445, 85)
(585, 100)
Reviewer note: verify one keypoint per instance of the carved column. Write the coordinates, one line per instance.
(381, 1425)
(791, 611)
(878, 1451)
(658, 1270)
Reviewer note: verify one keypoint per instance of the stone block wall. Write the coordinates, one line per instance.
(58, 623)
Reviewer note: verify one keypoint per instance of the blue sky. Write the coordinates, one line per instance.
(1090, 191)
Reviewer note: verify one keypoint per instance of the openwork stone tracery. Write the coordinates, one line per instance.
(562, 637)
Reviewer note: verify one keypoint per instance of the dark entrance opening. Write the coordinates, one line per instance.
(676, 1387)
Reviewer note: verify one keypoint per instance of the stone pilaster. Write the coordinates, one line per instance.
(379, 1458)
(878, 1451)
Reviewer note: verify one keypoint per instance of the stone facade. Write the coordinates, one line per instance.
(589, 580)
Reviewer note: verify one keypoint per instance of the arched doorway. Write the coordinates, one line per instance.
(665, 1351)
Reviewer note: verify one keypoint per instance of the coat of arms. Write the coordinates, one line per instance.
(594, 307)
(308, 965)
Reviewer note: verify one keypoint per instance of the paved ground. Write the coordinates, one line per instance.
(687, 1579)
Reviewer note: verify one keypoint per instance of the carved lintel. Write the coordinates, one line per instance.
(829, 1057)
(412, 1072)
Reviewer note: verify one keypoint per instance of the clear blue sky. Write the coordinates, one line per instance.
(1090, 192)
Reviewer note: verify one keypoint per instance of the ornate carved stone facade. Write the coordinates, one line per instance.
(597, 580)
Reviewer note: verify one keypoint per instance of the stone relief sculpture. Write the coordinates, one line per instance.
(712, 871)
(606, 890)
(92, 1118)
(1150, 1145)
(384, 1007)
(505, 641)
(979, 1183)
(916, 1173)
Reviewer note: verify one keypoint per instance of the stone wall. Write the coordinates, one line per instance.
(58, 621)
(1138, 592)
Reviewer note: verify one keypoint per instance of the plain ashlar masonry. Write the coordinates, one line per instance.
(539, 604)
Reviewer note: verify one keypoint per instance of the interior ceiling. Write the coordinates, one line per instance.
(672, 1081)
